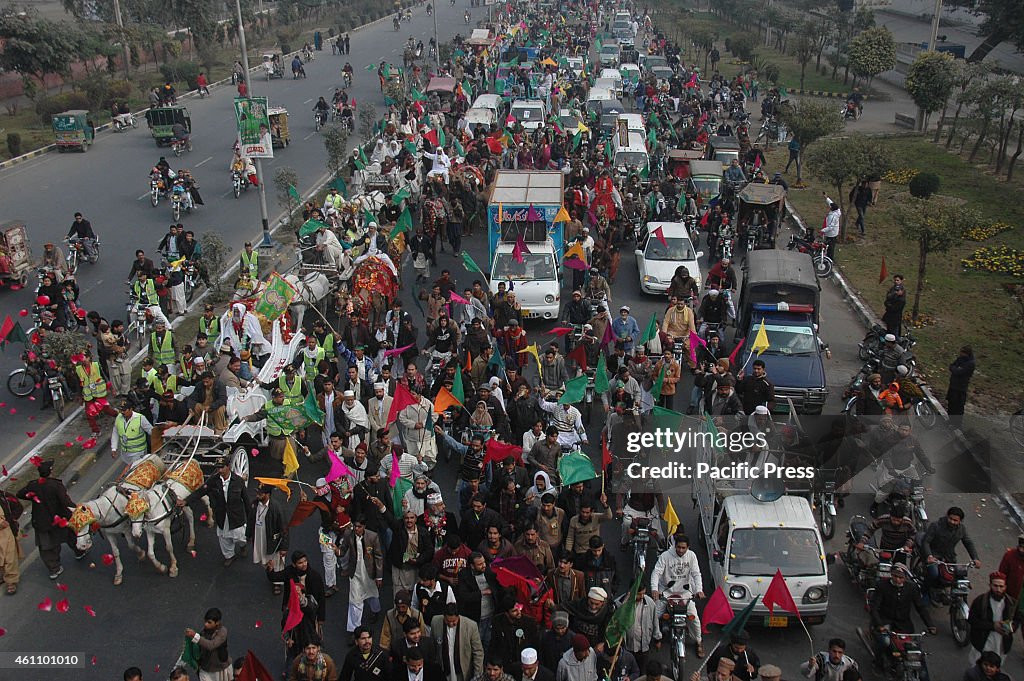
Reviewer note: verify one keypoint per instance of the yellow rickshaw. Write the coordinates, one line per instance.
(279, 126)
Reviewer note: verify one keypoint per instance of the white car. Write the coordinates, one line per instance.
(657, 262)
(535, 281)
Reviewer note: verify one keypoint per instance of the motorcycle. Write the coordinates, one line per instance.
(77, 252)
(307, 54)
(590, 396)
(857, 386)
(904, 650)
(823, 501)
(874, 340)
(190, 271)
(823, 265)
(319, 119)
(438, 361)
(905, 486)
(850, 111)
(677, 620)
(180, 146)
(180, 199)
(239, 182)
(157, 188)
(724, 245)
(643, 536)
(430, 10)
(465, 17)
(954, 589)
(124, 121)
(397, 22)
(139, 320)
(346, 77)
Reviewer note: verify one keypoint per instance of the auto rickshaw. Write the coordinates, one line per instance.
(705, 179)
(677, 164)
(444, 90)
(762, 206)
(161, 121)
(73, 130)
(273, 65)
(279, 126)
(723, 149)
(15, 254)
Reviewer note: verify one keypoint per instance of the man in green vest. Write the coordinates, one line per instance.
(94, 392)
(311, 356)
(186, 367)
(290, 385)
(161, 345)
(129, 436)
(249, 262)
(144, 289)
(326, 340)
(209, 324)
(279, 426)
(164, 381)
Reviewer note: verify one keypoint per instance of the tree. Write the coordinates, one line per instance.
(215, 256)
(704, 41)
(965, 78)
(809, 120)
(804, 48)
(842, 162)
(336, 143)
(930, 81)
(872, 52)
(1003, 22)
(34, 48)
(284, 178)
(936, 225)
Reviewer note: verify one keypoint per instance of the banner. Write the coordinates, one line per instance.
(276, 297)
(253, 127)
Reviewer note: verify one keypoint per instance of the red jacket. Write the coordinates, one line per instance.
(1012, 565)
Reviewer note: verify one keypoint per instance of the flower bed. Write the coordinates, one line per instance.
(998, 259)
(983, 232)
(902, 176)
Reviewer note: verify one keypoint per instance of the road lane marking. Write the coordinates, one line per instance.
(208, 158)
(310, 135)
(93, 286)
(308, 100)
(143, 196)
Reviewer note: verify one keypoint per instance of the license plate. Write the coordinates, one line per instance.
(781, 621)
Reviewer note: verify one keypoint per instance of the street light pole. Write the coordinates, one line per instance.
(437, 45)
(264, 217)
(126, 55)
(935, 25)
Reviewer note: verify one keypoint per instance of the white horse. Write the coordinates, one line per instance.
(106, 511)
(311, 289)
(160, 511)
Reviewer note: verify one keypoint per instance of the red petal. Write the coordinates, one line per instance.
(3, 469)
(14, 411)
(46, 605)
(3, 632)
(202, 518)
(63, 605)
(62, 587)
(79, 438)
(31, 418)
(255, 451)
(93, 660)
(31, 398)
(156, 670)
(69, 445)
(59, 522)
(33, 497)
(88, 609)
(36, 460)
(89, 444)
(108, 559)
(259, 623)
(30, 433)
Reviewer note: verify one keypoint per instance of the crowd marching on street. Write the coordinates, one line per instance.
(504, 575)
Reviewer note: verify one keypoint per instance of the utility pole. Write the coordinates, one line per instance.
(768, 26)
(437, 45)
(267, 241)
(126, 54)
(935, 25)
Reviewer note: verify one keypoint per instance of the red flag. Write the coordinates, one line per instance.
(494, 145)
(253, 669)
(660, 235)
(778, 594)
(692, 83)
(395, 470)
(338, 467)
(882, 276)
(560, 331)
(469, 362)
(294, 609)
(403, 398)
(704, 218)
(497, 451)
(717, 610)
(609, 335)
(606, 454)
(6, 328)
(735, 352)
(520, 248)
(431, 136)
(579, 355)
(304, 510)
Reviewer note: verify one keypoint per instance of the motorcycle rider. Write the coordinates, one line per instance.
(347, 70)
(54, 262)
(890, 608)
(678, 323)
(857, 99)
(82, 229)
(181, 133)
(682, 284)
(899, 461)
(831, 664)
(164, 168)
(297, 67)
(169, 245)
(598, 287)
(677, 572)
(713, 309)
(322, 110)
(898, 532)
(734, 173)
(939, 543)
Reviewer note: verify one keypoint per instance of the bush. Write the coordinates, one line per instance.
(770, 72)
(119, 91)
(14, 144)
(923, 185)
(181, 71)
(48, 106)
(742, 46)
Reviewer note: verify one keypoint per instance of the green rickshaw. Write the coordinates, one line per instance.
(73, 130)
(161, 121)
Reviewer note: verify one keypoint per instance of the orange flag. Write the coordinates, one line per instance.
(563, 215)
(444, 400)
(279, 483)
(884, 274)
(469, 361)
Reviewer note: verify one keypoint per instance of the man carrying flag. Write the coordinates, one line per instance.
(677, 572)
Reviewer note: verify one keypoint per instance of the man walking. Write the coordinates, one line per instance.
(230, 501)
(960, 372)
(830, 228)
(361, 549)
(50, 501)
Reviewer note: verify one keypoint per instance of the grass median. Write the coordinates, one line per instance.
(961, 305)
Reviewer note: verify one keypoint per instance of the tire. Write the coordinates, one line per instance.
(135, 123)
(96, 253)
(177, 150)
(85, 146)
(154, 197)
(21, 383)
(190, 292)
(926, 415)
(237, 188)
(678, 667)
(959, 627)
(828, 523)
(823, 266)
(72, 262)
(240, 462)
(176, 210)
(863, 352)
(58, 406)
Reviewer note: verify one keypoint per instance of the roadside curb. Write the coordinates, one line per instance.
(821, 93)
(868, 318)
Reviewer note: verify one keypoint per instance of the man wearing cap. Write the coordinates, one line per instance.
(291, 386)
(589, 616)
(744, 661)
(335, 499)
(161, 345)
(128, 436)
(725, 402)
(397, 617)
(556, 640)
(458, 642)
(755, 390)
(354, 423)
(209, 323)
(229, 499)
(512, 632)
(669, 379)
(267, 529)
(210, 399)
(530, 667)
(279, 427)
(579, 663)
(626, 329)
(769, 672)
(94, 391)
(50, 500)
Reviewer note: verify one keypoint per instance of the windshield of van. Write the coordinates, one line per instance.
(609, 50)
(706, 185)
(679, 248)
(761, 551)
(786, 340)
(535, 267)
(528, 114)
(655, 61)
(630, 158)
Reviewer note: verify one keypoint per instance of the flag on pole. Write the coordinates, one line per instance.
(253, 670)
(445, 399)
(695, 341)
(338, 467)
(659, 234)
(458, 391)
(560, 331)
(575, 391)
(609, 336)
(533, 350)
(606, 454)
(403, 398)
(579, 355)
(519, 249)
(498, 451)
(739, 621)
(736, 351)
(280, 483)
(294, 607)
(651, 331)
(312, 410)
(716, 611)
(575, 467)
(884, 274)
(396, 472)
(404, 224)
(496, 360)
(670, 518)
(761, 340)
(562, 215)
(294, 193)
(601, 374)
(470, 265)
(625, 615)
(778, 594)
(704, 218)
(659, 383)
(339, 184)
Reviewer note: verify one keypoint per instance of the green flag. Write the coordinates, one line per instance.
(496, 360)
(467, 89)
(575, 467)
(362, 157)
(601, 374)
(608, 150)
(417, 96)
(370, 68)
(294, 193)
(457, 390)
(666, 418)
(190, 653)
(441, 139)
(713, 429)
(404, 224)
(681, 202)
(458, 148)
(659, 383)
(311, 226)
(624, 616)
(410, 146)
(368, 217)
(651, 331)
(739, 621)
(401, 195)
(645, 172)
(312, 409)
(575, 390)
(576, 139)
(471, 266)
(340, 185)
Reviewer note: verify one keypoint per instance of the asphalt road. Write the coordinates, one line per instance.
(140, 622)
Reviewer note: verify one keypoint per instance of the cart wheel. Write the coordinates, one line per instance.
(23, 280)
(21, 383)
(85, 146)
(240, 462)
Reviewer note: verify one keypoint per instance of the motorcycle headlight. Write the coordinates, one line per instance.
(737, 592)
(815, 594)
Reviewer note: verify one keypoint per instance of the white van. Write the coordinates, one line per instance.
(614, 76)
(492, 103)
(535, 280)
(634, 123)
(633, 154)
(608, 84)
(530, 113)
(596, 96)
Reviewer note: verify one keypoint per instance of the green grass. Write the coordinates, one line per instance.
(968, 306)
